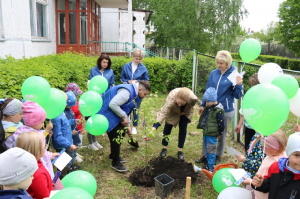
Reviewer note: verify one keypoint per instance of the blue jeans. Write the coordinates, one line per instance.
(76, 139)
(210, 143)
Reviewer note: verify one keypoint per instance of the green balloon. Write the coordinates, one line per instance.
(55, 104)
(90, 103)
(98, 84)
(249, 50)
(72, 193)
(288, 84)
(223, 179)
(265, 108)
(97, 124)
(81, 179)
(35, 89)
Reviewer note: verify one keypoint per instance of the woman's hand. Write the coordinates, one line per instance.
(201, 109)
(297, 128)
(238, 128)
(239, 80)
(78, 121)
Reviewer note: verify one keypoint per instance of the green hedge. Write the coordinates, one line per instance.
(285, 63)
(61, 69)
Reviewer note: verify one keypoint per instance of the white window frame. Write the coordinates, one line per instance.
(33, 19)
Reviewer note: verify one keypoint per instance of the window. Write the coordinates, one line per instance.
(38, 18)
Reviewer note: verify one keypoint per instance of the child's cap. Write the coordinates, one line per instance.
(293, 144)
(16, 165)
(12, 108)
(74, 88)
(210, 95)
(33, 113)
(71, 101)
(273, 142)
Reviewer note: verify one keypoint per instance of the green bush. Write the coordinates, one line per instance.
(61, 69)
(294, 64)
(282, 62)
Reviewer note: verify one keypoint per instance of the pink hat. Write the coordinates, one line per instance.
(273, 142)
(33, 113)
(74, 88)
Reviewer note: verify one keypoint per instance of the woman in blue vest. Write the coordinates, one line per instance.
(226, 92)
(118, 103)
(135, 71)
(103, 68)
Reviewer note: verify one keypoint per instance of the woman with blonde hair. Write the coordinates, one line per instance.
(41, 185)
(226, 92)
(178, 109)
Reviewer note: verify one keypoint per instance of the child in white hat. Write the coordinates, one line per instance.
(17, 167)
(283, 178)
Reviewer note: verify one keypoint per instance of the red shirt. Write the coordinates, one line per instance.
(41, 185)
(77, 114)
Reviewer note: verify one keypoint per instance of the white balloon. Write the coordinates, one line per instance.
(295, 104)
(268, 72)
(235, 193)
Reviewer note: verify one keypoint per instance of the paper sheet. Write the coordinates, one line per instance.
(62, 161)
(232, 151)
(237, 173)
(233, 75)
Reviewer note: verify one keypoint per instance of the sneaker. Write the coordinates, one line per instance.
(201, 160)
(78, 159)
(98, 145)
(133, 130)
(218, 160)
(180, 155)
(163, 153)
(118, 166)
(120, 159)
(208, 169)
(77, 154)
(93, 147)
(133, 143)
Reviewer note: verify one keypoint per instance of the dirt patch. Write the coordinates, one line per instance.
(173, 167)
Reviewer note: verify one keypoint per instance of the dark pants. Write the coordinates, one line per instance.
(136, 112)
(248, 136)
(182, 132)
(117, 133)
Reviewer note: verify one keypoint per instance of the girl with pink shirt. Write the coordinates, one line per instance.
(274, 149)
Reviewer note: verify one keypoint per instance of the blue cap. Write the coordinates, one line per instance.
(210, 95)
(71, 99)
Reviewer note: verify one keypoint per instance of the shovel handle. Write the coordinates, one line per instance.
(188, 188)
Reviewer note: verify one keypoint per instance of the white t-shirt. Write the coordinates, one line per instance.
(134, 67)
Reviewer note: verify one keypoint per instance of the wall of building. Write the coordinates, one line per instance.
(17, 40)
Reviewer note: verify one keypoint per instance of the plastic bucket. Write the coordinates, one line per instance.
(163, 185)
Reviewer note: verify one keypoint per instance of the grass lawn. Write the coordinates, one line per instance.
(112, 184)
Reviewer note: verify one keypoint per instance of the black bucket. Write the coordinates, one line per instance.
(163, 185)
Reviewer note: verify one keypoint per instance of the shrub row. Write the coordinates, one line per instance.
(61, 69)
(285, 63)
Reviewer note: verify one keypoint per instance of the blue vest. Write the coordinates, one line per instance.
(112, 118)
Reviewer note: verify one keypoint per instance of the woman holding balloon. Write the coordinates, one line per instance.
(226, 93)
(103, 68)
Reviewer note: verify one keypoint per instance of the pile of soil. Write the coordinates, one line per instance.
(173, 167)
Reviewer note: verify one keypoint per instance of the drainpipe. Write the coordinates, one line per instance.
(130, 30)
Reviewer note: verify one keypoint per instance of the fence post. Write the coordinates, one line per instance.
(194, 72)
(168, 56)
(237, 115)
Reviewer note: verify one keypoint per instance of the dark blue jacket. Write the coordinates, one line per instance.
(71, 117)
(141, 73)
(108, 74)
(226, 92)
(14, 194)
(113, 119)
(62, 132)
